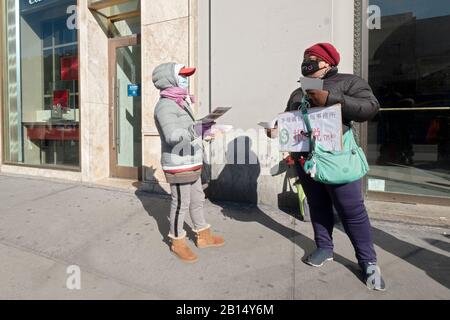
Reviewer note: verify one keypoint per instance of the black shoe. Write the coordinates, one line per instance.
(319, 257)
(409, 161)
(372, 276)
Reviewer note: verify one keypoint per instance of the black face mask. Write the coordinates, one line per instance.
(310, 67)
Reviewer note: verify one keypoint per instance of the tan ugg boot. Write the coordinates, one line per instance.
(206, 239)
(181, 250)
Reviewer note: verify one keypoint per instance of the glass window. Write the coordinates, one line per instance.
(42, 122)
(409, 71)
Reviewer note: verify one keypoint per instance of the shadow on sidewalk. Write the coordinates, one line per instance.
(157, 206)
(240, 181)
(443, 245)
(251, 213)
(435, 265)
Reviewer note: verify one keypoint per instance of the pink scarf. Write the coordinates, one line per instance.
(178, 95)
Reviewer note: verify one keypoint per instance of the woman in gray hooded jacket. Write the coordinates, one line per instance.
(182, 158)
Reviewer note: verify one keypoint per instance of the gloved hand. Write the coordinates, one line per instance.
(201, 129)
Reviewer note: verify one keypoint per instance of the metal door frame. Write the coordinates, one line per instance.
(117, 171)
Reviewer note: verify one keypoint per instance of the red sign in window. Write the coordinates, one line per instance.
(53, 133)
(61, 97)
(69, 68)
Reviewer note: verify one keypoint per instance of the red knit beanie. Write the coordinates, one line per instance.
(326, 51)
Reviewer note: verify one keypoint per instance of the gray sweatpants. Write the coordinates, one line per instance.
(186, 198)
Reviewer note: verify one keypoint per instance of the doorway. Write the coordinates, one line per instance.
(409, 140)
(125, 107)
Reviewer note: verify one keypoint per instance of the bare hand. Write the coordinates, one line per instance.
(318, 98)
(272, 133)
(211, 135)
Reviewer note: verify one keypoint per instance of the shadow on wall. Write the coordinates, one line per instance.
(238, 180)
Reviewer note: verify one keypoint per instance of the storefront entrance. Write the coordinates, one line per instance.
(408, 69)
(125, 107)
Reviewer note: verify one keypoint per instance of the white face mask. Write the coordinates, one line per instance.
(183, 82)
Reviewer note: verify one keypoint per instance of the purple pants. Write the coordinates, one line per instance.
(348, 201)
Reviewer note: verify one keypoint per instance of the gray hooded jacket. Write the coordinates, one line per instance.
(181, 146)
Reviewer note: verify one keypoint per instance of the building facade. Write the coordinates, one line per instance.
(77, 97)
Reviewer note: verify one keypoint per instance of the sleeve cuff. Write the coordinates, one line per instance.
(335, 98)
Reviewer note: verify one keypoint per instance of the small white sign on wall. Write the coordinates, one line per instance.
(377, 185)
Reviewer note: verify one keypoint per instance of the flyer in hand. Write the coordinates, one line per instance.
(213, 116)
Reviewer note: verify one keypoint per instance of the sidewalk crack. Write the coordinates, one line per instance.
(54, 193)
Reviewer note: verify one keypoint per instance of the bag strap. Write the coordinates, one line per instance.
(304, 109)
(190, 114)
(352, 128)
(288, 182)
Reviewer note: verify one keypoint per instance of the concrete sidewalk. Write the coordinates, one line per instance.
(118, 239)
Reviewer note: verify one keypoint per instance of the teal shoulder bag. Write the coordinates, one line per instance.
(334, 167)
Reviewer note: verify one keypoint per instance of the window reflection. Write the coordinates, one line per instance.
(409, 71)
(43, 123)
